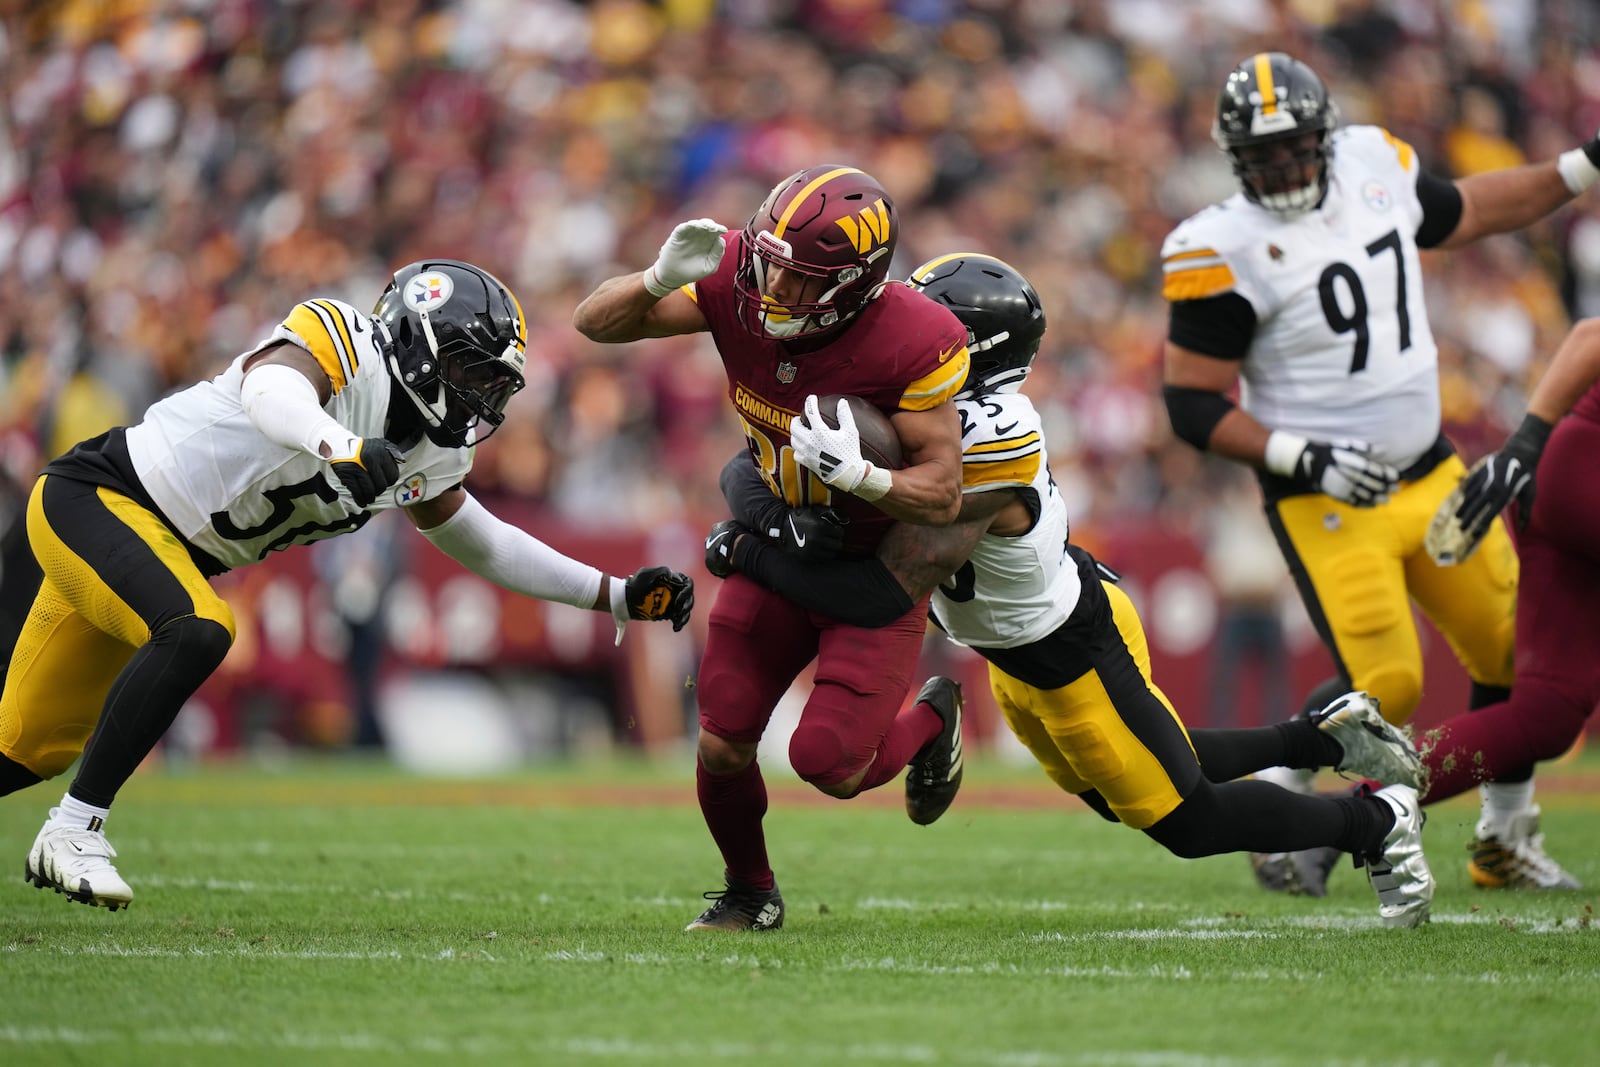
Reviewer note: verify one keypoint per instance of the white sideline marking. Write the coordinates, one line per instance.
(612, 1049)
(889, 964)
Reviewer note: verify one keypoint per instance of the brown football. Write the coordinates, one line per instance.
(880, 445)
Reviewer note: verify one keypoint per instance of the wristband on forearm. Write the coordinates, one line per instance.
(1580, 167)
(1532, 433)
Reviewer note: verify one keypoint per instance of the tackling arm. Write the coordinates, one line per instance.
(514, 559)
(912, 560)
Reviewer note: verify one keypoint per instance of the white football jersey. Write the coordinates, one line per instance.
(236, 495)
(1012, 591)
(1342, 347)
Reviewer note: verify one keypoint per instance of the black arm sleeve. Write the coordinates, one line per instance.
(748, 497)
(1195, 412)
(1441, 209)
(860, 592)
(1218, 326)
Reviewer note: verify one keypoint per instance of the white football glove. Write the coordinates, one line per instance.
(1345, 470)
(834, 454)
(693, 251)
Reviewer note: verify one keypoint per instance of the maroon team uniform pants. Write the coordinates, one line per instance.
(759, 643)
(1558, 629)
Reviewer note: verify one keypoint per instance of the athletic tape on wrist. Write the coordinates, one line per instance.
(653, 284)
(876, 485)
(1578, 169)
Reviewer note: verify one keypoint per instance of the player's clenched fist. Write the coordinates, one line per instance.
(372, 466)
(654, 594)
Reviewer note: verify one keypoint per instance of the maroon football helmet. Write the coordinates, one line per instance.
(833, 225)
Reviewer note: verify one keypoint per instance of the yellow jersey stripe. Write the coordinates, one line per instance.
(1401, 149)
(305, 323)
(344, 335)
(1269, 92)
(810, 187)
(1012, 472)
(1195, 253)
(985, 450)
(938, 385)
(1198, 283)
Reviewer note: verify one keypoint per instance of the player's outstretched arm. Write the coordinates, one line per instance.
(1500, 201)
(514, 559)
(651, 303)
(911, 561)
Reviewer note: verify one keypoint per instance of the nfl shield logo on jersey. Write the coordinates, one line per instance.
(411, 490)
(786, 372)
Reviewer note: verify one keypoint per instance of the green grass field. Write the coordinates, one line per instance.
(340, 913)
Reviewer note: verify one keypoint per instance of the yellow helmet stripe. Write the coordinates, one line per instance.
(812, 186)
(1269, 92)
(522, 322)
(917, 275)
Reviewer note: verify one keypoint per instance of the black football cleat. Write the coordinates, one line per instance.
(741, 907)
(934, 775)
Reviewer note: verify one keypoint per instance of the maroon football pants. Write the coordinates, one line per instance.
(759, 643)
(1558, 630)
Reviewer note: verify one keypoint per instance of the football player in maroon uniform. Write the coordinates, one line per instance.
(798, 306)
(1558, 621)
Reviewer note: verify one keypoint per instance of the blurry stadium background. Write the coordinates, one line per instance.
(176, 174)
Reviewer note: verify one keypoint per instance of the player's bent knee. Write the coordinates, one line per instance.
(201, 644)
(1188, 831)
(721, 756)
(817, 754)
(1561, 717)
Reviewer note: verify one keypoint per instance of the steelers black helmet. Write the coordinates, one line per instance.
(457, 346)
(1000, 309)
(1273, 120)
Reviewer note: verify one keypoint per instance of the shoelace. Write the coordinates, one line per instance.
(92, 842)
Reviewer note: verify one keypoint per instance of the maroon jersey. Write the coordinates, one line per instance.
(902, 352)
(1588, 405)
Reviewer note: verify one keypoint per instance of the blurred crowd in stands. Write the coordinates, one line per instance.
(176, 174)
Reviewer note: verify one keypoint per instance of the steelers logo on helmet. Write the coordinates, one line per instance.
(455, 345)
(815, 252)
(428, 291)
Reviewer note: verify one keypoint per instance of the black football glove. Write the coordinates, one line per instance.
(372, 467)
(719, 546)
(1505, 476)
(811, 533)
(657, 593)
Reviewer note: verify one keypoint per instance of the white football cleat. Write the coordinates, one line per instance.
(1512, 856)
(1373, 748)
(76, 860)
(1400, 876)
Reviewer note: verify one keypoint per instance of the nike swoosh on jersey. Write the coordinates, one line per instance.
(948, 352)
